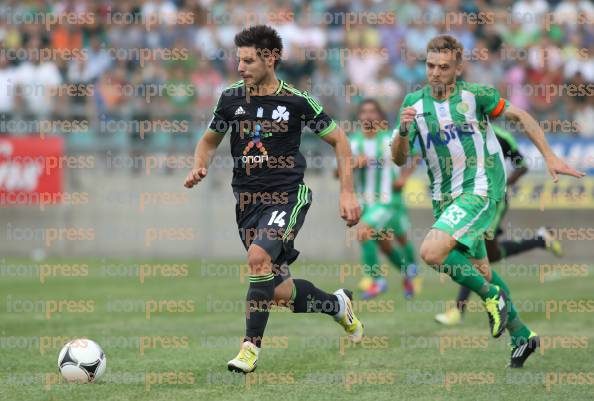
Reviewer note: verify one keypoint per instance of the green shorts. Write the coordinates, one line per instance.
(495, 229)
(467, 218)
(391, 217)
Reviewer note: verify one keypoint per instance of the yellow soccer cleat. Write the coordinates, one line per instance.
(346, 317)
(418, 284)
(378, 286)
(365, 283)
(451, 317)
(246, 360)
(553, 245)
(497, 310)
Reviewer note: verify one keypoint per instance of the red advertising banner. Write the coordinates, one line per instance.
(30, 170)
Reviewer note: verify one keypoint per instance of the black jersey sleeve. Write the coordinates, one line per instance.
(315, 118)
(509, 147)
(517, 158)
(220, 121)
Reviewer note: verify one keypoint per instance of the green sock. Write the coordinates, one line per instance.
(518, 331)
(370, 258)
(397, 260)
(460, 269)
(409, 254)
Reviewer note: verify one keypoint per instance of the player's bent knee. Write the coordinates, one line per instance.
(259, 261)
(430, 255)
(436, 247)
(283, 292)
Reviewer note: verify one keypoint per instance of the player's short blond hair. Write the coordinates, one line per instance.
(446, 43)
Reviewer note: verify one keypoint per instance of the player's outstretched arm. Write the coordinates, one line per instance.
(203, 154)
(400, 146)
(555, 165)
(350, 210)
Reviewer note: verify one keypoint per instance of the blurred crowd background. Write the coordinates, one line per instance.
(340, 51)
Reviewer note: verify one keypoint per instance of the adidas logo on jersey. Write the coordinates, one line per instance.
(239, 111)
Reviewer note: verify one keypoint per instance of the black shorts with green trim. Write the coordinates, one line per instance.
(272, 220)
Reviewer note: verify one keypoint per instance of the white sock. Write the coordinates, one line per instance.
(341, 312)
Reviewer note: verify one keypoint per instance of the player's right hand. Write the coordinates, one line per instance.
(195, 176)
(557, 166)
(407, 116)
(362, 161)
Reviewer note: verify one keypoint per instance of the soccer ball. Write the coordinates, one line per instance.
(81, 361)
(365, 284)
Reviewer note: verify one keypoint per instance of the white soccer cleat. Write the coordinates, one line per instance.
(451, 317)
(246, 360)
(346, 317)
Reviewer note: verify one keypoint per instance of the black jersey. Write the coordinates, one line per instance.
(265, 134)
(509, 146)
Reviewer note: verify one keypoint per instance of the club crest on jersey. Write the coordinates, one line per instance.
(462, 107)
(280, 114)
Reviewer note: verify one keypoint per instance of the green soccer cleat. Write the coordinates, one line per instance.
(521, 352)
(246, 360)
(497, 310)
(346, 317)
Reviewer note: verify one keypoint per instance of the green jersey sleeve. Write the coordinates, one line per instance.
(315, 118)
(489, 101)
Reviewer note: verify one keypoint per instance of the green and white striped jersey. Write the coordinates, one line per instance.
(374, 183)
(457, 141)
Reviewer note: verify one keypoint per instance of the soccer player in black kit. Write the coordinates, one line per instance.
(264, 118)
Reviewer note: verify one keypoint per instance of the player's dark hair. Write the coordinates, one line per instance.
(444, 44)
(264, 38)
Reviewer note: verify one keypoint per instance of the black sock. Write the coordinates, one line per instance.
(309, 299)
(510, 248)
(462, 299)
(260, 296)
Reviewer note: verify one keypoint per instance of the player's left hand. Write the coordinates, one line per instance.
(557, 166)
(195, 176)
(350, 211)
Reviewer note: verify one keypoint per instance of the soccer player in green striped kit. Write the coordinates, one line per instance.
(450, 119)
(379, 184)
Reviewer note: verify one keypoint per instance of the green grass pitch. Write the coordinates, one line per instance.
(178, 349)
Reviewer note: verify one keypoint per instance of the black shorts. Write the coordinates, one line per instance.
(272, 220)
